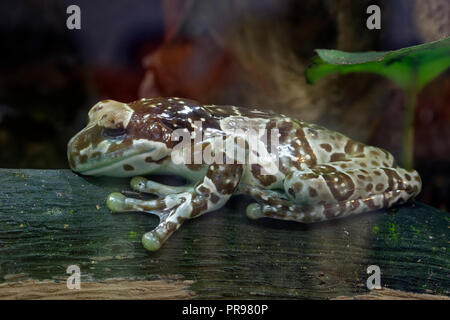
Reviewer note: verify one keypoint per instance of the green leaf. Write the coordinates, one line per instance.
(411, 68)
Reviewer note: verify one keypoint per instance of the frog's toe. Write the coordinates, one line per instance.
(254, 211)
(154, 239)
(139, 184)
(116, 202)
(151, 242)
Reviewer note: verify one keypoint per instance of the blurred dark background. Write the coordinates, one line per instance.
(243, 52)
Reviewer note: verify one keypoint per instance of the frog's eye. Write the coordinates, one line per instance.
(114, 132)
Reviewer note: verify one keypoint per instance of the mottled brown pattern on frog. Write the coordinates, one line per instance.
(83, 158)
(151, 160)
(338, 157)
(352, 148)
(326, 146)
(120, 146)
(151, 129)
(264, 179)
(128, 167)
(369, 203)
(395, 182)
(340, 193)
(411, 189)
(284, 129)
(323, 169)
(298, 186)
(354, 204)
(225, 177)
(96, 155)
(312, 192)
(215, 198)
(305, 146)
(199, 205)
(91, 137)
(307, 176)
(205, 192)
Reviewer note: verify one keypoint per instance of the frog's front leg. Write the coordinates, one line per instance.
(210, 194)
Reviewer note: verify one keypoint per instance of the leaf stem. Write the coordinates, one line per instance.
(408, 128)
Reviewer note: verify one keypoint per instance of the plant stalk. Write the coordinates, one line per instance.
(408, 129)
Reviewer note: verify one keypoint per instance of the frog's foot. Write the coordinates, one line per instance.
(274, 205)
(142, 184)
(172, 211)
(284, 210)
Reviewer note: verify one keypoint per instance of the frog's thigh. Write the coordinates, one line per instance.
(142, 184)
(288, 210)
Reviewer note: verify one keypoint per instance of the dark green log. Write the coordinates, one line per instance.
(50, 219)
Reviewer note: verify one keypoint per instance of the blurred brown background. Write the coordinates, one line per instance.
(243, 52)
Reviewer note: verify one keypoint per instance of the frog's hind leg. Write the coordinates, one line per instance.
(283, 209)
(331, 191)
(328, 192)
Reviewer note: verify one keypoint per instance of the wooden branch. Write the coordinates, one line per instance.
(50, 219)
(389, 294)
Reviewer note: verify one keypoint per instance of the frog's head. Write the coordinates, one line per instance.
(120, 140)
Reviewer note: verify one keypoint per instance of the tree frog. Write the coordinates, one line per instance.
(319, 174)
